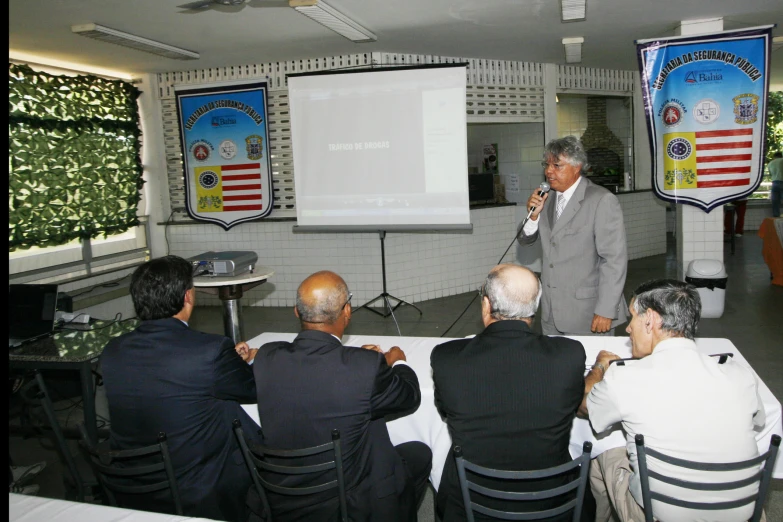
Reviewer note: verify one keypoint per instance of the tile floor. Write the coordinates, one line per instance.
(751, 320)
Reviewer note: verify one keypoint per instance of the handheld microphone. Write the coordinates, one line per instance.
(543, 188)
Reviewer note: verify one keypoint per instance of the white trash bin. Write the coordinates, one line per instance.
(709, 277)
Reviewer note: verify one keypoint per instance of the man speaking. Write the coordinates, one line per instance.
(582, 235)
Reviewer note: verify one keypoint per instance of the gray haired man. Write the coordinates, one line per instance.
(582, 236)
(509, 395)
(685, 403)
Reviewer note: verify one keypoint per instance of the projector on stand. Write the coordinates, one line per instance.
(224, 264)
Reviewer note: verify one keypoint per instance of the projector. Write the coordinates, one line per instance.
(226, 264)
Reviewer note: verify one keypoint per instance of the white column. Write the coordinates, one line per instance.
(642, 161)
(699, 234)
(550, 102)
(155, 202)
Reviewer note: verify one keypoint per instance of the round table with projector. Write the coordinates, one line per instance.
(229, 288)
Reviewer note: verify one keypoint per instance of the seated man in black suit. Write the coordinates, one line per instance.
(313, 385)
(508, 395)
(164, 376)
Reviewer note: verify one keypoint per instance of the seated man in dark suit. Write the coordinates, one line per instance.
(164, 376)
(508, 395)
(308, 387)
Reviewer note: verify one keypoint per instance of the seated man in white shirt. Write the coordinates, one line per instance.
(685, 403)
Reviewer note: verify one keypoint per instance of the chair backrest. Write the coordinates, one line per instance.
(762, 477)
(117, 470)
(579, 484)
(256, 462)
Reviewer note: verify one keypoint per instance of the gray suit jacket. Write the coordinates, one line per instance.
(585, 259)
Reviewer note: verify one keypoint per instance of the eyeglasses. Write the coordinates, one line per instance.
(557, 166)
(347, 301)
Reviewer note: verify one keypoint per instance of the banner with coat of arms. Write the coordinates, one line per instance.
(705, 100)
(225, 149)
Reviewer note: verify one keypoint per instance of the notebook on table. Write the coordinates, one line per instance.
(31, 312)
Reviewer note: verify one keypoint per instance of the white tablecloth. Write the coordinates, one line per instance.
(426, 425)
(24, 508)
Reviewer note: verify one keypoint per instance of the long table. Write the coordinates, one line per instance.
(426, 425)
(24, 508)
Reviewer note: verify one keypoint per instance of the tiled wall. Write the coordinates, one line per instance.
(419, 266)
(572, 121)
(699, 236)
(645, 224)
(755, 213)
(571, 116)
(520, 148)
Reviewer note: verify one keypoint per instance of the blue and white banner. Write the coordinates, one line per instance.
(705, 99)
(225, 150)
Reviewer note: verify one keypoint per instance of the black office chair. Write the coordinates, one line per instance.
(255, 463)
(105, 464)
(579, 484)
(763, 477)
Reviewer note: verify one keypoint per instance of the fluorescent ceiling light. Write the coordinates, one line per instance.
(573, 49)
(333, 19)
(573, 10)
(114, 36)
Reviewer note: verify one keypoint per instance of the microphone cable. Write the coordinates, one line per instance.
(544, 189)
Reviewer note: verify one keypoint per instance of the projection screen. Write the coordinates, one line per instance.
(380, 148)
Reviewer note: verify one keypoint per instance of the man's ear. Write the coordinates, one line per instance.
(296, 312)
(653, 319)
(347, 314)
(190, 296)
(486, 308)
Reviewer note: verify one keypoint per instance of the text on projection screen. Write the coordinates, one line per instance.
(380, 148)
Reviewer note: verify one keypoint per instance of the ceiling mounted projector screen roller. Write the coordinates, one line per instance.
(380, 148)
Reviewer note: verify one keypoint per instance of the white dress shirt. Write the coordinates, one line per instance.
(687, 406)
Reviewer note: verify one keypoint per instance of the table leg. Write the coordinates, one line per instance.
(232, 312)
(88, 401)
(48, 408)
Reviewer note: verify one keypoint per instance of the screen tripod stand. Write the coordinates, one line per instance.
(388, 309)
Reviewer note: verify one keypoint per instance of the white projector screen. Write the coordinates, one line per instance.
(380, 148)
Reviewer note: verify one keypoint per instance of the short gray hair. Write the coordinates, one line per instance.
(327, 310)
(506, 302)
(678, 303)
(571, 149)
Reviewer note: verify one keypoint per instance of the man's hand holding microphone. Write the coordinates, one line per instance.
(536, 201)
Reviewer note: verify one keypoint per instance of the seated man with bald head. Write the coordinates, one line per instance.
(308, 387)
(508, 395)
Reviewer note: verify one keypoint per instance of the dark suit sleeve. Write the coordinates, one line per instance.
(434, 357)
(232, 377)
(394, 390)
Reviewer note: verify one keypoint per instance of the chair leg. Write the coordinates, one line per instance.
(61, 443)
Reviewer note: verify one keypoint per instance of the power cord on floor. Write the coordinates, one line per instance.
(477, 293)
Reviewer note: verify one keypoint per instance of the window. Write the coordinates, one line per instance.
(774, 141)
(74, 176)
(74, 165)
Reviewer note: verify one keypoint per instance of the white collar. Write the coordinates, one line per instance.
(674, 343)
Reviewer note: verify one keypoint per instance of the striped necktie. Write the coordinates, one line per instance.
(561, 203)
